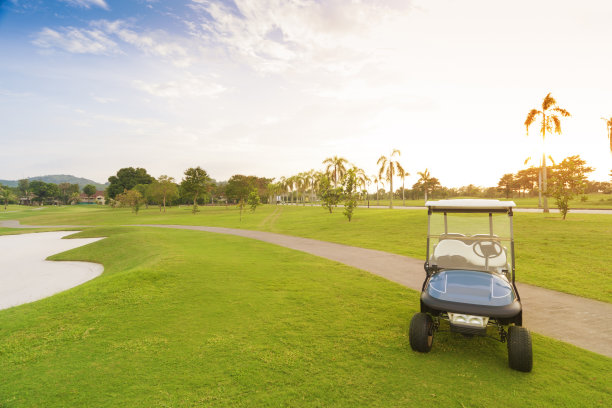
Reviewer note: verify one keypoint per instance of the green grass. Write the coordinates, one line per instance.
(186, 318)
(571, 256)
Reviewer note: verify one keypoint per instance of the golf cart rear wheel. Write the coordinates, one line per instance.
(520, 356)
(421, 332)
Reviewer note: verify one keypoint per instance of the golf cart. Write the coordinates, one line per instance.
(470, 277)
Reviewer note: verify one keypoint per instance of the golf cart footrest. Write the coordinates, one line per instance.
(476, 331)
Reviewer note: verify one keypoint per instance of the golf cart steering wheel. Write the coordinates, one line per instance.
(487, 249)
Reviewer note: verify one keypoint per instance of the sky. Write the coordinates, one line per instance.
(273, 87)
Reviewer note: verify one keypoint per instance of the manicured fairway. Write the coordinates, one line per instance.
(571, 256)
(186, 318)
(593, 201)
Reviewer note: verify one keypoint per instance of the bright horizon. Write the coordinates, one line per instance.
(273, 87)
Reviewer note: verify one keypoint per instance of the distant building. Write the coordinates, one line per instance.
(97, 198)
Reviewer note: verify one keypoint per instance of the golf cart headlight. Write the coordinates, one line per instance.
(468, 320)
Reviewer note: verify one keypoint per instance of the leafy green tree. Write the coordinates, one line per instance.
(126, 179)
(66, 191)
(24, 186)
(7, 195)
(164, 189)
(506, 184)
(349, 185)
(89, 190)
(330, 196)
(238, 189)
(196, 182)
(146, 190)
(568, 180)
(550, 120)
(388, 168)
(64, 194)
(40, 189)
(253, 200)
(131, 198)
(335, 168)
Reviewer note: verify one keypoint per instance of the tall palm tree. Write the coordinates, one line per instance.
(425, 180)
(376, 179)
(317, 176)
(609, 127)
(291, 188)
(550, 115)
(301, 182)
(335, 167)
(403, 174)
(388, 168)
(361, 178)
(309, 179)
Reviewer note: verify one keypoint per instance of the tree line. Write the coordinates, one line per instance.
(134, 187)
(339, 180)
(39, 192)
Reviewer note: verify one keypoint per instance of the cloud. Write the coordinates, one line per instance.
(280, 35)
(109, 37)
(188, 85)
(151, 43)
(87, 3)
(77, 41)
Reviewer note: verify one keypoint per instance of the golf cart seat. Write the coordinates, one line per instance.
(457, 254)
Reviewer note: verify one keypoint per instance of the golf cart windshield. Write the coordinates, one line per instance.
(470, 235)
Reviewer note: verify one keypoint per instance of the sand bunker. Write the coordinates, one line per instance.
(25, 276)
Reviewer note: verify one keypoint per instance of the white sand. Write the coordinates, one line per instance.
(25, 276)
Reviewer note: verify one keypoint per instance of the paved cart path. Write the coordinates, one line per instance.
(583, 322)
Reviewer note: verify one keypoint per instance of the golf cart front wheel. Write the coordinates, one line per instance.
(520, 356)
(421, 332)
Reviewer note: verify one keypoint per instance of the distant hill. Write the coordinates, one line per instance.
(59, 178)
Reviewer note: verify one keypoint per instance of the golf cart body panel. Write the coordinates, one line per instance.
(471, 292)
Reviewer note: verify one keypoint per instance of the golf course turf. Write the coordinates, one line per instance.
(569, 255)
(186, 318)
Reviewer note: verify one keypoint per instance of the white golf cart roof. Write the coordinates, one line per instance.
(471, 204)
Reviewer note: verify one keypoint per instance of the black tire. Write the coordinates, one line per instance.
(520, 356)
(421, 332)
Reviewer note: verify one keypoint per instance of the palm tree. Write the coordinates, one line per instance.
(609, 126)
(337, 164)
(317, 176)
(376, 180)
(403, 174)
(301, 182)
(290, 183)
(550, 114)
(284, 186)
(362, 178)
(425, 180)
(388, 168)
